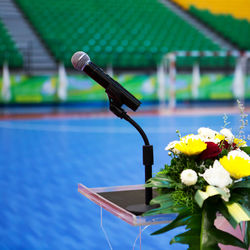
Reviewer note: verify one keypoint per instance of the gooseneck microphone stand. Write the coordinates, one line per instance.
(115, 104)
(119, 96)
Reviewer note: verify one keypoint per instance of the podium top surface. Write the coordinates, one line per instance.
(117, 198)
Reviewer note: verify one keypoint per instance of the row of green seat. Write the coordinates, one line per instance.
(8, 50)
(235, 30)
(131, 33)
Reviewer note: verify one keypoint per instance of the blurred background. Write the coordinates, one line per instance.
(132, 41)
(187, 61)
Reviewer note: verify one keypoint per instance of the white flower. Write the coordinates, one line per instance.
(171, 147)
(189, 177)
(238, 153)
(228, 135)
(208, 135)
(217, 176)
(191, 136)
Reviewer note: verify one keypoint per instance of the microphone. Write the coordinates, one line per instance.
(117, 97)
(116, 92)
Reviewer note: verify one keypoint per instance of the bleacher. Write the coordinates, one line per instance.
(8, 49)
(227, 26)
(229, 18)
(239, 9)
(126, 34)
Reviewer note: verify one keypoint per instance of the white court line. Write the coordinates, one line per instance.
(95, 129)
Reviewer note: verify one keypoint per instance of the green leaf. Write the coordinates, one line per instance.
(160, 182)
(241, 195)
(188, 238)
(235, 212)
(224, 211)
(211, 236)
(207, 225)
(201, 196)
(201, 233)
(227, 239)
(180, 220)
(199, 236)
(247, 234)
(246, 149)
(238, 212)
(241, 184)
(164, 198)
(167, 205)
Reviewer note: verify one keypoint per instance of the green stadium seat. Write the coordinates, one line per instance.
(8, 50)
(227, 26)
(131, 33)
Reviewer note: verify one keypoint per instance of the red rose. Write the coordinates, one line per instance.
(211, 151)
(225, 145)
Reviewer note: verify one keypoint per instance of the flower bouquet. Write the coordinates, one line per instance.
(208, 177)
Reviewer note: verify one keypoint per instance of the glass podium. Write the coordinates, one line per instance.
(117, 198)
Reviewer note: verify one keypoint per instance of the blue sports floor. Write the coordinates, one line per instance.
(43, 160)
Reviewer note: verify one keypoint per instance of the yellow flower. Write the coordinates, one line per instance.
(237, 163)
(191, 145)
(239, 142)
(220, 137)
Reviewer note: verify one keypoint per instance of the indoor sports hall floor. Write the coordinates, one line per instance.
(44, 158)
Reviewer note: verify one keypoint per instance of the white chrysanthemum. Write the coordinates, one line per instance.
(228, 135)
(214, 140)
(189, 177)
(238, 153)
(217, 176)
(171, 147)
(202, 137)
(207, 132)
(208, 135)
(190, 136)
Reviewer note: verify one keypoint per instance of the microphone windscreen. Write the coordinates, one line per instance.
(79, 60)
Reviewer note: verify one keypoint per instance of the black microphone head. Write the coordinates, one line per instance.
(79, 60)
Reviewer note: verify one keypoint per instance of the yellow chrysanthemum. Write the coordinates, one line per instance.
(220, 137)
(239, 142)
(237, 164)
(191, 146)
